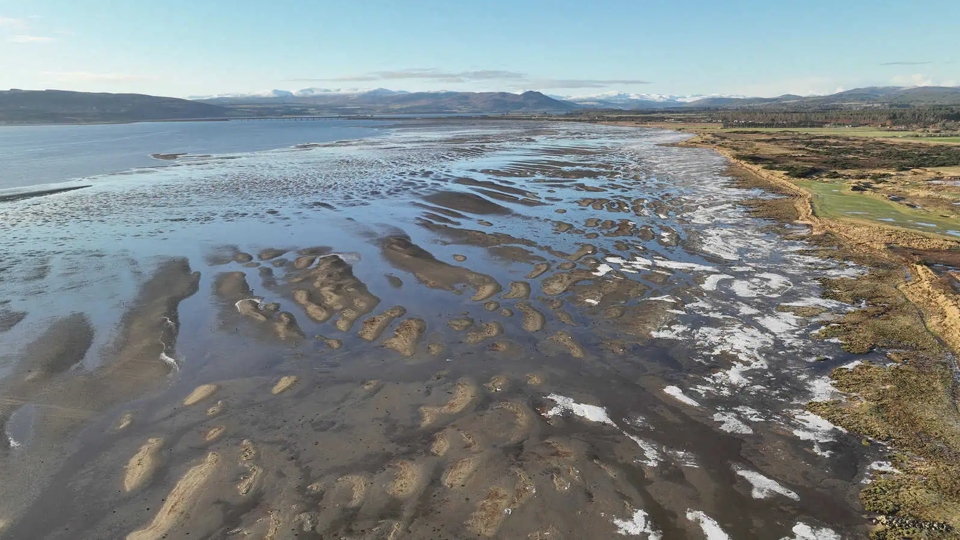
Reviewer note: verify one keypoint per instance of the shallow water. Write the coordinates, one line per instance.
(664, 394)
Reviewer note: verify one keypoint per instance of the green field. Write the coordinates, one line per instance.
(836, 200)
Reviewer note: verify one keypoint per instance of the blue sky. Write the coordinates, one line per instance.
(752, 47)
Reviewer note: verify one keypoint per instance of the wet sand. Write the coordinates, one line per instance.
(456, 363)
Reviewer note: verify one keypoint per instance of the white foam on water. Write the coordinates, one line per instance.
(258, 300)
(802, 531)
(816, 302)
(166, 359)
(638, 524)
(710, 284)
(665, 298)
(720, 244)
(782, 324)
(679, 265)
(589, 412)
(731, 424)
(651, 458)
(711, 529)
(678, 395)
(763, 487)
(673, 332)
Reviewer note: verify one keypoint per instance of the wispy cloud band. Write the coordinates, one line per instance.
(30, 39)
(515, 79)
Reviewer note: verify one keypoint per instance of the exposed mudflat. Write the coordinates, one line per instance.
(399, 338)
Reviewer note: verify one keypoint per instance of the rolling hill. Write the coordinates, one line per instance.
(62, 107)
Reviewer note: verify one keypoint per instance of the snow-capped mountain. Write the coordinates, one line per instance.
(624, 100)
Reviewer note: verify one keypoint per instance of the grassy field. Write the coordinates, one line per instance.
(940, 140)
(836, 200)
(858, 132)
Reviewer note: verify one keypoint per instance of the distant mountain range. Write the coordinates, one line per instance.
(383, 101)
(62, 107)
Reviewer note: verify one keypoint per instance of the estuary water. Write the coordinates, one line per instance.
(427, 329)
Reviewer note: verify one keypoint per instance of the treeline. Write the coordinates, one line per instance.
(930, 118)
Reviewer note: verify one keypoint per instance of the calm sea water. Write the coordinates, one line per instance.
(40, 155)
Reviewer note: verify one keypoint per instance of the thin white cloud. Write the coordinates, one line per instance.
(30, 39)
(431, 74)
(906, 63)
(10, 22)
(916, 79)
(576, 83)
(86, 76)
(517, 80)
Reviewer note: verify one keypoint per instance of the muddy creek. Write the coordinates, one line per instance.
(452, 330)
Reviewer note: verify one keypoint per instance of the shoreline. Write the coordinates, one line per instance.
(914, 503)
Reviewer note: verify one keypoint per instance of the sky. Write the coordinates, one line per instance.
(573, 48)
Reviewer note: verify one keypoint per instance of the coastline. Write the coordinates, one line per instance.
(922, 501)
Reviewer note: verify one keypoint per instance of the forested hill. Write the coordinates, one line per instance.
(62, 107)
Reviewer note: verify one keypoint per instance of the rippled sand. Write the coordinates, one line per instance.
(507, 330)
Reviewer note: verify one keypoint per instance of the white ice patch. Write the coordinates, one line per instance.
(731, 424)
(882, 467)
(782, 324)
(749, 413)
(678, 395)
(602, 270)
(710, 284)
(651, 458)
(763, 284)
(590, 412)
(683, 458)
(802, 531)
(711, 529)
(821, 389)
(638, 524)
(591, 301)
(763, 487)
(815, 429)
